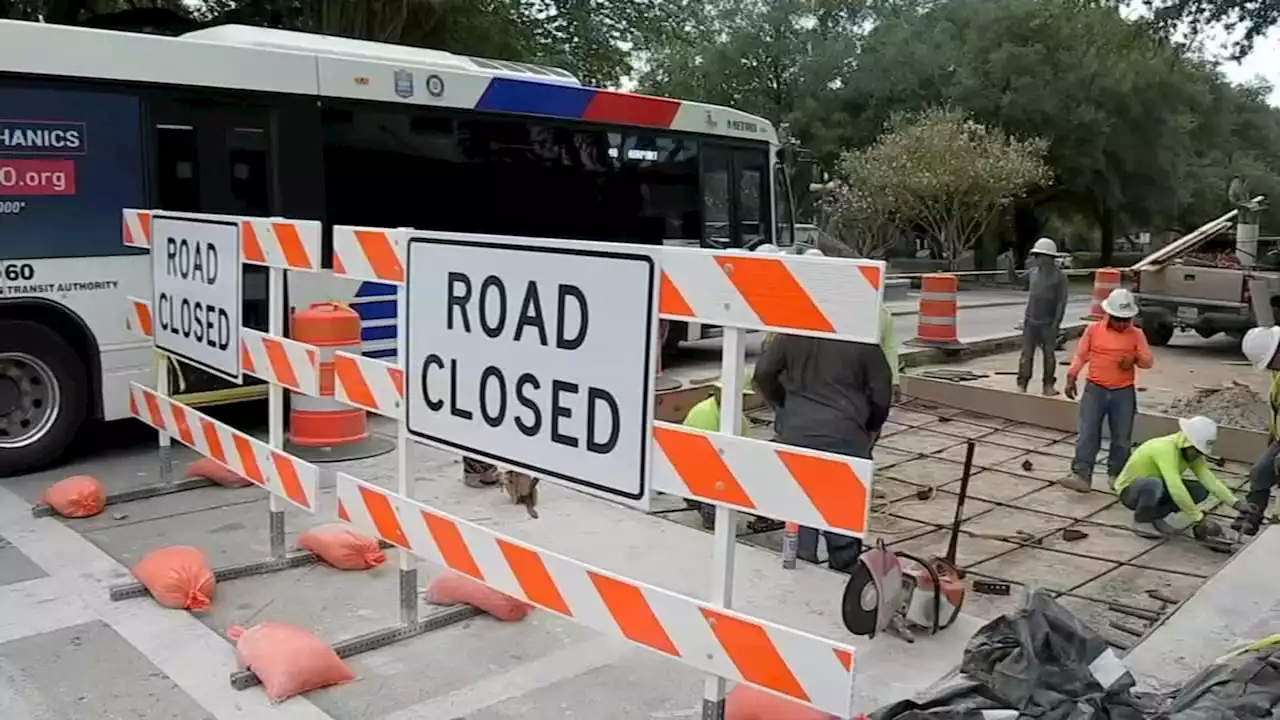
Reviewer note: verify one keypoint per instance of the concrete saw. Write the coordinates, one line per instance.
(901, 593)
(904, 594)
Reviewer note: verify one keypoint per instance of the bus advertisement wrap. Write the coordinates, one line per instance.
(69, 161)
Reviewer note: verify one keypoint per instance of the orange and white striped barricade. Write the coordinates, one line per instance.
(833, 298)
(207, 250)
(1104, 281)
(936, 321)
(789, 663)
(305, 369)
(820, 297)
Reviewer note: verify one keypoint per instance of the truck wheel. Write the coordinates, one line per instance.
(1158, 334)
(43, 389)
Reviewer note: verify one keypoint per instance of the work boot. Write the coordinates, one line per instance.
(478, 474)
(1022, 386)
(1050, 390)
(1248, 522)
(1079, 483)
(707, 512)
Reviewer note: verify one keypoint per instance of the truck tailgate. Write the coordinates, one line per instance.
(1194, 283)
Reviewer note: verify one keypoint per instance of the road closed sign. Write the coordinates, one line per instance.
(535, 355)
(195, 269)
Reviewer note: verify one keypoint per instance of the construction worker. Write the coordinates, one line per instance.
(826, 395)
(706, 416)
(1112, 348)
(1152, 484)
(1046, 304)
(888, 340)
(1259, 346)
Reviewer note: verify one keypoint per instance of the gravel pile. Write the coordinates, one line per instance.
(1233, 404)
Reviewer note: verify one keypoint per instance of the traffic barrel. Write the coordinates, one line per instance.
(936, 320)
(1104, 281)
(322, 428)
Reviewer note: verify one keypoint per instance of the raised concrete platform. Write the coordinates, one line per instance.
(1237, 606)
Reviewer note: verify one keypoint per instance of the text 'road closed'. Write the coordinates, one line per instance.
(196, 276)
(536, 359)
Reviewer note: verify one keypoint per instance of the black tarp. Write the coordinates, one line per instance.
(1039, 662)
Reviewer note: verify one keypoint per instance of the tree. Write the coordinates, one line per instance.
(940, 170)
(1247, 19)
(1119, 105)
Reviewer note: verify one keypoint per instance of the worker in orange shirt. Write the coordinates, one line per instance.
(1112, 347)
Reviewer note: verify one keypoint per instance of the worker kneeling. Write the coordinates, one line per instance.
(1153, 487)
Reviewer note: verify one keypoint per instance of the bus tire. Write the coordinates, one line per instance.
(43, 396)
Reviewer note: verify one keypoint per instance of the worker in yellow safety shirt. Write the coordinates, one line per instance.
(1153, 487)
(1259, 346)
(706, 416)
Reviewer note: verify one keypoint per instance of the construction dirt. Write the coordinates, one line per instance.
(1234, 404)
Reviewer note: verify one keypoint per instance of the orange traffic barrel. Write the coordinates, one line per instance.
(1104, 281)
(322, 423)
(936, 321)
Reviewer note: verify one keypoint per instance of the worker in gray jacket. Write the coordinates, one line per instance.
(826, 395)
(1046, 304)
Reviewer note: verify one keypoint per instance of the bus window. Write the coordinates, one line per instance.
(716, 198)
(247, 155)
(783, 217)
(389, 167)
(69, 160)
(177, 168)
(751, 168)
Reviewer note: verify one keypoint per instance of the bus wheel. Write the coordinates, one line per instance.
(42, 396)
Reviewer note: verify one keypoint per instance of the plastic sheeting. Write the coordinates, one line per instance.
(1243, 686)
(1040, 662)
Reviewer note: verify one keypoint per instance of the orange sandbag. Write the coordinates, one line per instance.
(288, 660)
(745, 702)
(451, 588)
(178, 577)
(78, 496)
(211, 469)
(342, 547)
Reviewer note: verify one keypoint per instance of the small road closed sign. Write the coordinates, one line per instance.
(536, 355)
(195, 271)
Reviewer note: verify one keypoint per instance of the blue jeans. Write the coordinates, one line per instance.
(1149, 498)
(1118, 407)
(1263, 477)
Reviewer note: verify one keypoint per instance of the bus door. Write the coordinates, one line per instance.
(735, 196)
(215, 157)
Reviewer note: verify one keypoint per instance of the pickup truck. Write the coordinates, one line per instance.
(1197, 283)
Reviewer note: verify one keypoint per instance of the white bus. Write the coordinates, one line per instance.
(251, 121)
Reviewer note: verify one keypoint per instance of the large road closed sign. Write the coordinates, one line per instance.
(195, 269)
(536, 355)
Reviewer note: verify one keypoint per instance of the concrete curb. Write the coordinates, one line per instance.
(916, 356)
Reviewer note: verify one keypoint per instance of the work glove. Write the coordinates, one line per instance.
(1070, 389)
(1205, 529)
(1128, 362)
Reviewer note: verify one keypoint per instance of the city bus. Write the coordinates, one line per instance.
(252, 121)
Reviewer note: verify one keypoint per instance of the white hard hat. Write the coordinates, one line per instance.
(1202, 433)
(1260, 344)
(814, 252)
(1120, 304)
(1045, 246)
(768, 248)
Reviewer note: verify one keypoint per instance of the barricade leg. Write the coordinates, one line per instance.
(732, 363)
(167, 485)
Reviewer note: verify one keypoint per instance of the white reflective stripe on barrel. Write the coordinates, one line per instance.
(307, 403)
(937, 319)
(939, 296)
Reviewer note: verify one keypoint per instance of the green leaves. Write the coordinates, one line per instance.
(938, 169)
